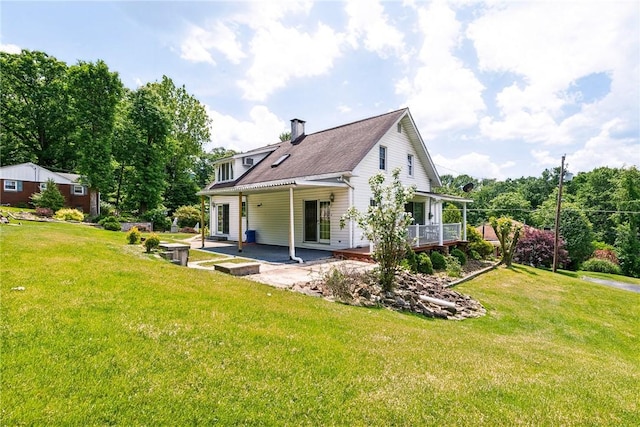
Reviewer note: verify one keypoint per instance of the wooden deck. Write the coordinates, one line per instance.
(363, 254)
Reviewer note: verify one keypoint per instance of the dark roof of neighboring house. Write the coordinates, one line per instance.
(330, 151)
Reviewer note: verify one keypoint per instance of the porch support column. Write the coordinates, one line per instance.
(464, 221)
(292, 240)
(240, 221)
(202, 221)
(441, 228)
(351, 239)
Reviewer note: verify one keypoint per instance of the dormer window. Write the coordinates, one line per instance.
(225, 172)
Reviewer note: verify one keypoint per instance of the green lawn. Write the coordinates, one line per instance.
(104, 335)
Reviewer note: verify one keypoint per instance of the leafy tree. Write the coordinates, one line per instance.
(595, 192)
(151, 125)
(627, 199)
(511, 204)
(385, 224)
(508, 233)
(50, 197)
(34, 106)
(188, 131)
(95, 93)
(284, 136)
(451, 214)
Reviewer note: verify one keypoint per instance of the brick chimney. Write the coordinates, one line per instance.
(297, 129)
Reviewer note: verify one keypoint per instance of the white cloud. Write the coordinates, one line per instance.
(281, 53)
(263, 128)
(199, 42)
(344, 108)
(443, 94)
(367, 20)
(603, 150)
(550, 45)
(472, 164)
(544, 158)
(10, 48)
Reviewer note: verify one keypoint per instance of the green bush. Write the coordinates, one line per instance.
(50, 197)
(158, 217)
(601, 266)
(474, 255)
(454, 269)
(424, 264)
(188, 216)
(133, 236)
(462, 257)
(68, 214)
(477, 243)
(437, 261)
(110, 223)
(152, 242)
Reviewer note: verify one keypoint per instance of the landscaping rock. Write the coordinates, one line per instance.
(406, 296)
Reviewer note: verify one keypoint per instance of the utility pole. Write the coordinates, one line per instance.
(557, 231)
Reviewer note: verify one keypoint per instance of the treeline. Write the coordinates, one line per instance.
(142, 149)
(600, 209)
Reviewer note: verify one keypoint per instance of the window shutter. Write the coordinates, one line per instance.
(19, 185)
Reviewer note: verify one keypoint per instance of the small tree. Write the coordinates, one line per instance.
(508, 233)
(50, 197)
(385, 224)
(451, 214)
(535, 248)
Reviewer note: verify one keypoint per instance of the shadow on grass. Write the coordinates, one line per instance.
(520, 269)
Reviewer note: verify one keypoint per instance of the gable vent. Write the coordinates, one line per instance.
(247, 161)
(280, 160)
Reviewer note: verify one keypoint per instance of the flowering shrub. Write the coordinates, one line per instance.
(44, 212)
(606, 254)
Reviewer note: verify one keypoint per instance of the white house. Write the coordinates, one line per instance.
(293, 193)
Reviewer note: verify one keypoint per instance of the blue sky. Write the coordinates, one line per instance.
(497, 89)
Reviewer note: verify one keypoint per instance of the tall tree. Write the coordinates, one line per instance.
(511, 204)
(188, 131)
(34, 115)
(95, 92)
(151, 125)
(627, 197)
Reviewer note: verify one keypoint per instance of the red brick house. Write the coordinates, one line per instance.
(19, 182)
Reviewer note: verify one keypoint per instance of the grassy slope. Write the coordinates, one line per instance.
(104, 335)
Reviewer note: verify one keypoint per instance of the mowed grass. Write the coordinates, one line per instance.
(103, 335)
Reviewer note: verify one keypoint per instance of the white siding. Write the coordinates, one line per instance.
(232, 201)
(398, 147)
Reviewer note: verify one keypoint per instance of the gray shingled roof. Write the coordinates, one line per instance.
(334, 150)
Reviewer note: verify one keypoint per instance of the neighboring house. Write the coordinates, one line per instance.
(19, 182)
(293, 193)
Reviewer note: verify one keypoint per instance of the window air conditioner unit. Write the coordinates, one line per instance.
(247, 161)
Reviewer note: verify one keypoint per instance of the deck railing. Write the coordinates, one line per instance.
(424, 235)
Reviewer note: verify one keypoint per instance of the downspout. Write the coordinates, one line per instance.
(292, 240)
(240, 221)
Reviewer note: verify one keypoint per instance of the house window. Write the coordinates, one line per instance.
(78, 190)
(12, 185)
(225, 172)
(399, 128)
(43, 186)
(417, 212)
(410, 164)
(383, 158)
